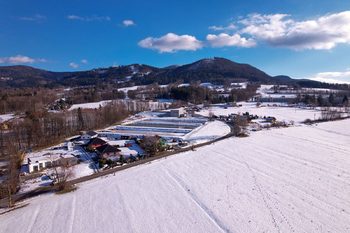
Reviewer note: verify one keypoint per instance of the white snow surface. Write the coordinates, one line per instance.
(91, 105)
(6, 117)
(283, 180)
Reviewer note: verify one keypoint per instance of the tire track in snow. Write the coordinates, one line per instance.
(266, 197)
(72, 214)
(123, 208)
(34, 218)
(193, 197)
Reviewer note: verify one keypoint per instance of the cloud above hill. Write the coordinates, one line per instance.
(277, 30)
(171, 43)
(19, 59)
(274, 30)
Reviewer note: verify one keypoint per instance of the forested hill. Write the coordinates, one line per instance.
(215, 71)
(24, 76)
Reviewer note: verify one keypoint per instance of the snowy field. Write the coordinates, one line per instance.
(287, 114)
(283, 180)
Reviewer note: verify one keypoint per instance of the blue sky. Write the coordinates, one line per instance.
(302, 39)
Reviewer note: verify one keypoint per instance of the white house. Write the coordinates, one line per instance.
(39, 162)
(89, 135)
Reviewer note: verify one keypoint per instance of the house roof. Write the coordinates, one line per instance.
(158, 137)
(91, 133)
(270, 118)
(96, 141)
(107, 149)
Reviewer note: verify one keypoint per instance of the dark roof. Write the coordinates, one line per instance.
(107, 149)
(91, 133)
(158, 137)
(96, 141)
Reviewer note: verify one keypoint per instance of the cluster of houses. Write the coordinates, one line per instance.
(102, 148)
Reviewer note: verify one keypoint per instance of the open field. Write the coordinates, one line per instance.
(283, 180)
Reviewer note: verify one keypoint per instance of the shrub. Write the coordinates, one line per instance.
(308, 121)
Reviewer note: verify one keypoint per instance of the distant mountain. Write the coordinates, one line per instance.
(284, 78)
(24, 76)
(171, 67)
(223, 68)
(215, 71)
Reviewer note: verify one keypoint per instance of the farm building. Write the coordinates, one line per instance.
(178, 113)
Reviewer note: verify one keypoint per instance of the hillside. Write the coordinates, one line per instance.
(216, 71)
(284, 180)
(26, 76)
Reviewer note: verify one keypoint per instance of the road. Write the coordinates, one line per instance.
(46, 189)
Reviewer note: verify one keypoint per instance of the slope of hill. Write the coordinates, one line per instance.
(285, 180)
(26, 76)
(215, 71)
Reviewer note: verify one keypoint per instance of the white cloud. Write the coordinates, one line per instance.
(332, 77)
(36, 17)
(42, 60)
(322, 33)
(17, 60)
(84, 61)
(230, 27)
(171, 43)
(128, 23)
(226, 40)
(72, 64)
(92, 18)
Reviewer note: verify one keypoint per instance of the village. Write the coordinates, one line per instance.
(155, 132)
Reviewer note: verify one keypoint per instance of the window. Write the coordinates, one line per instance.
(47, 164)
(35, 168)
(40, 165)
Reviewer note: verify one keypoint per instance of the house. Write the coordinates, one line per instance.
(245, 118)
(161, 141)
(107, 151)
(96, 142)
(271, 119)
(89, 135)
(128, 144)
(39, 162)
(125, 137)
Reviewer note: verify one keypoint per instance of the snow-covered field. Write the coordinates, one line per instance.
(294, 179)
(287, 114)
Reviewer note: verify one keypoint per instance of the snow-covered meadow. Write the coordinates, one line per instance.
(281, 180)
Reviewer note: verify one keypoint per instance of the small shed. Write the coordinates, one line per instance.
(271, 119)
(89, 135)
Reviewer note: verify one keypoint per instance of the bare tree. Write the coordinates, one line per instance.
(11, 177)
(62, 172)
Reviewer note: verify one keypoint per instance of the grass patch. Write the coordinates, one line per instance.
(15, 208)
(242, 135)
(67, 190)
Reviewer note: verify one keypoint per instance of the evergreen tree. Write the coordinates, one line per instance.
(345, 100)
(320, 100)
(331, 99)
